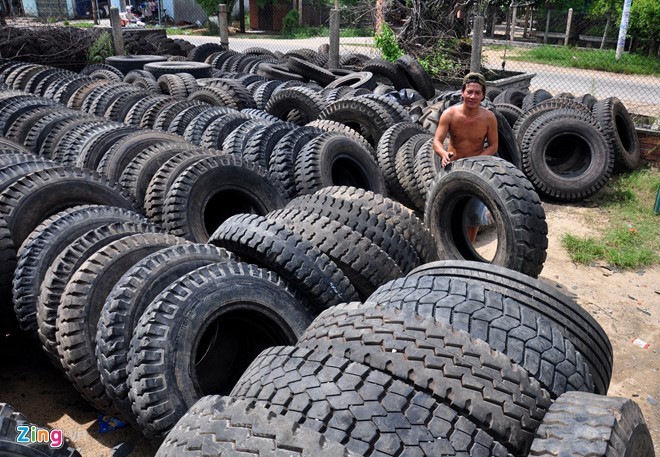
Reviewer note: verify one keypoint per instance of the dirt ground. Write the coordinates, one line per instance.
(626, 304)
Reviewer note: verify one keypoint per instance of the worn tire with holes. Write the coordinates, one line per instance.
(248, 307)
(575, 322)
(518, 215)
(418, 77)
(224, 425)
(82, 302)
(526, 336)
(214, 188)
(126, 302)
(582, 424)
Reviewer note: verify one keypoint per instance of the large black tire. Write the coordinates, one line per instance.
(333, 159)
(528, 337)
(550, 105)
(392, 214)
(367, 410)
(405, 168)
(515, 207)
(38, 195)
(365, 264)
(197, 69)
(128, 63)
(225, 425)
(200, 52)
(46, 242)
(205, 329)
(269, 244)
(365, 220)
(512, 96)
(242, 97)
(139, 171)
(195, 129)
(534, 98)
(310, 70)
(162, 180)
(566, 155)
(418, 77)
(384, 69)
(235, 142)
(576, 323)
(619, 129)
(262, 142)
(363, 115)
(210, 190)
(216, 131)
(507, 146)
(64, 266)
(431, 356)
(281, 164)
(82, 301)
(580, 424)
(117, 158)
(128, 299)
(299, 105)
(388, 145)
(510, 112)
(94, 145)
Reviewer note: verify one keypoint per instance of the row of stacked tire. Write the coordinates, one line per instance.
(325, 249)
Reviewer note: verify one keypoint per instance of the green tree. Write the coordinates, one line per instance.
(644, 20)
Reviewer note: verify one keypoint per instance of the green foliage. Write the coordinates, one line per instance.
(644, 19)
(590, 59)
(440, 61)
(631, 239)
(211, 6)
(100, 49)
(386, 42)
(290, 22)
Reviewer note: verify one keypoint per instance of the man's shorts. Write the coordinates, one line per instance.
(476, 213)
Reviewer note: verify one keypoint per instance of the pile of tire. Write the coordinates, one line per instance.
(261, 218)
(433, 363)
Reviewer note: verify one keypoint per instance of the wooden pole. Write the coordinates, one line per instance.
(222, 24)
(568, 26)
(117, 37)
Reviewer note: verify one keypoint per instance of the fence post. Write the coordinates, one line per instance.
(513, 23)
(333, 53)
(477, 43)
(547, 28)
(568, 26)
(117, 37)
(222, 24)
(623, 29)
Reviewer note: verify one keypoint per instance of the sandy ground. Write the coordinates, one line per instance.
(626, 304)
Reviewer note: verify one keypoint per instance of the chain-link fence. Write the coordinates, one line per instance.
(514, 36)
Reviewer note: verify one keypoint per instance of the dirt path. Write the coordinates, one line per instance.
(627, 305)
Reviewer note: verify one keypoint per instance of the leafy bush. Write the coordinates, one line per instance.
(387, 43)
(290, 21)
(100, 49)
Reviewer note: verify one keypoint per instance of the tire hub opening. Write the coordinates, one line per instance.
(345, 172)
(568, 155)
(225, 204)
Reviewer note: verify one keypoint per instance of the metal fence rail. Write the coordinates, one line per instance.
(505, 34)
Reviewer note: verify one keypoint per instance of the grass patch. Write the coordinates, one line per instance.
(589, 59)
(632, 238)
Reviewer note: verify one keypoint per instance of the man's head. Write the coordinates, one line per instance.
(474, 78)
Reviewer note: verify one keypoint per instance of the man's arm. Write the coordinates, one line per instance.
(491, 136)
(440, 136)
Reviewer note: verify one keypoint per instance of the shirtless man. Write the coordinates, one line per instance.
(468, 125)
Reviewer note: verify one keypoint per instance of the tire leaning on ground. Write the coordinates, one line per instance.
(582, 424)
(619, 129)
(214, 188)
(205, 329)
(566, 155)
(333, 159)
(515, 207)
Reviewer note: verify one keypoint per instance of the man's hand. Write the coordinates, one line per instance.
(445, 158)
